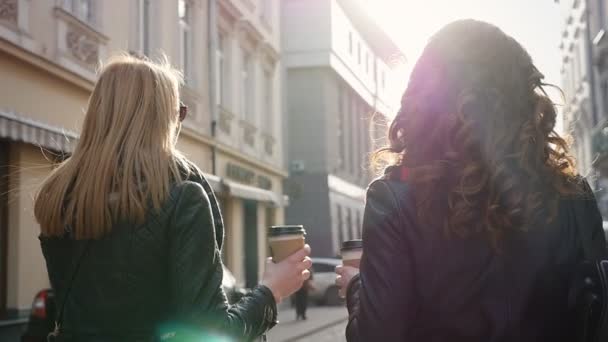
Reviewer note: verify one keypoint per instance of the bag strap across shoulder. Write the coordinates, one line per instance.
(70, 283)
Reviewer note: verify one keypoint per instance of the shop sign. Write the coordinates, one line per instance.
(247, 176)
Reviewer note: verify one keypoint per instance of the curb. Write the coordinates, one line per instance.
(316, 330)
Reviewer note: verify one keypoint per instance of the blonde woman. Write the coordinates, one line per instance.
(131, 231)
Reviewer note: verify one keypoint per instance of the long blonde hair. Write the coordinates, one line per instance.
(125, 158)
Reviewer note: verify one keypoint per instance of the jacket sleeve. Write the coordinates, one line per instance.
(380, 299)
(196, 294)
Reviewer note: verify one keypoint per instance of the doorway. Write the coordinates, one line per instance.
(4, 172)
(251, 243)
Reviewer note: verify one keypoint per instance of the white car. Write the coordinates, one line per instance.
(324, 281)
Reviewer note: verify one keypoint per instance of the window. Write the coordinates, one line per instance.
(142, 26)
(602, 13)
(340, 223)
(340, 124)
(4, 190)
(350, 113)
(247, 88)
(266, 12)
(367, 62)
(573, 78)
(604, 97)
(350, 43)
(268, 99)
(81, 9)
(359, 53)
(359, 225)
(349, 224)
(320, 267)
(577, 66)
(383, 79)
(185, 39)
(221, 72)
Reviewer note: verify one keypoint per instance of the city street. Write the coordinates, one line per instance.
(325, 323)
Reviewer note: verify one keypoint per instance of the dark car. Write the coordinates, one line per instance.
(42, 316)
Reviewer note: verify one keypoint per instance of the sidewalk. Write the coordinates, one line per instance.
(319, 318)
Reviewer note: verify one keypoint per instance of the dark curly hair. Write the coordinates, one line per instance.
(476, 130)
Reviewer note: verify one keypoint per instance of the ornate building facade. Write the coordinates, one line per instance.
(228, 51)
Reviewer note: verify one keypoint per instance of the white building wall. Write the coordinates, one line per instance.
(335, 42)
(577, 111)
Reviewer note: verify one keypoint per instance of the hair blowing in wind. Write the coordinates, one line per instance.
(125, 158)
(476, 130)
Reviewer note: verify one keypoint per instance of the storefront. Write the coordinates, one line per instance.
(28, 150)
(251, 200)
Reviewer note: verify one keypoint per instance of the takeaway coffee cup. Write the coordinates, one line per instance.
(351, 252)
(285, 240)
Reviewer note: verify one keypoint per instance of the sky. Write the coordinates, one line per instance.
(536, 24)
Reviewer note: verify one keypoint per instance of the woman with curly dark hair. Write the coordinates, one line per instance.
(471, 233)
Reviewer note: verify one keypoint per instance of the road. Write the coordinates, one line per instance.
(324, 324)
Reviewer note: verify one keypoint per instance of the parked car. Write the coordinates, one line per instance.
(42, 316)
(325, 291)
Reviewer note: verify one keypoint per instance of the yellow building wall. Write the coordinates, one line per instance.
(196, 152)
(235, 239)
(26, 267)
(38, 95)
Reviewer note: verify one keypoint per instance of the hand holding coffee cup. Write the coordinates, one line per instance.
(344, 275)
(285, 240)
(284, 278)
(287, 269)
(351, 252)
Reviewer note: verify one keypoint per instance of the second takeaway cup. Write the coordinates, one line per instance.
(351, 252)
(285, 240)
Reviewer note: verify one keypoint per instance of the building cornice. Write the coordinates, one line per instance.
(234, 153)
(229, 9)
(46, 65)
(250, 32)
(71, 19)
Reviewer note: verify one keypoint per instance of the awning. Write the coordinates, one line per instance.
(253, 193)
(18, 128)
(215, 182)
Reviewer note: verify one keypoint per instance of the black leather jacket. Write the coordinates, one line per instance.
(417, 285)
(164, 275)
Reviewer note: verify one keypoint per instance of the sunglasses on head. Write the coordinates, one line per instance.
(183, 111)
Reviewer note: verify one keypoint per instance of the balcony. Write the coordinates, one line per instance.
(15, 25)
(248, 133)
(268, 144)
(80, 46)
(9, 12)
(225, 118)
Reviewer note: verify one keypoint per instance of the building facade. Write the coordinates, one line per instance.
(337, 81)
(49, 53)
(248, 157)
(584, 73)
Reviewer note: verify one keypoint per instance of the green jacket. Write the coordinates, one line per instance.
(165, 275)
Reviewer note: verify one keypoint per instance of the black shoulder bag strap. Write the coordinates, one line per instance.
(59, 320)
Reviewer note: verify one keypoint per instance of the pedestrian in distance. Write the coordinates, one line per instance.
(131, 231)
(471, 234)
(301, 298)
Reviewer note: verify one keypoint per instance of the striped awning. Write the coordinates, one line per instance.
(18, 128)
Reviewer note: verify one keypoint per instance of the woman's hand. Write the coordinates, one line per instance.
(286, 277)
(344, 276)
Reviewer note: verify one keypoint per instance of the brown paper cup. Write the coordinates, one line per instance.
(285, 240)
